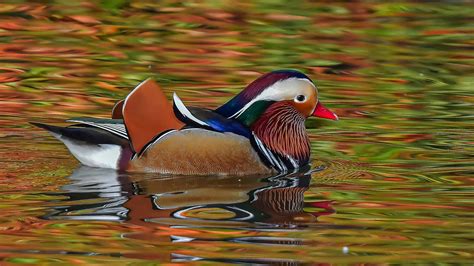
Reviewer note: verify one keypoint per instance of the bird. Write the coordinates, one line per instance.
(261, 130)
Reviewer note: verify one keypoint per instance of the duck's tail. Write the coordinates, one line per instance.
(93, 147)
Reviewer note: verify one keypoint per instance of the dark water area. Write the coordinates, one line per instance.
(392, 180)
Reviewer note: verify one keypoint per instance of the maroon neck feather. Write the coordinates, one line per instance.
(281, 128)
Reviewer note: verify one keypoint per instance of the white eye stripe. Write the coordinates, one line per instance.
(276, 92)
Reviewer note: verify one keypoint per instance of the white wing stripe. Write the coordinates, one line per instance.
(116, 129)
(185, 112)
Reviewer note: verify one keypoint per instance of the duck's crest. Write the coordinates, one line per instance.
(256, 88)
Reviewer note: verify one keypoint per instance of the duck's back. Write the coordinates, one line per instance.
(199, 152)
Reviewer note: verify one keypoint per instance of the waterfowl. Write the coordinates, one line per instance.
(259, 131)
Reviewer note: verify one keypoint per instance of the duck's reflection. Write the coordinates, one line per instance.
(101, 194)
(253, 203)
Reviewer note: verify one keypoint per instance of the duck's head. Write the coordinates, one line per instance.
(289, 87)
(274, 107)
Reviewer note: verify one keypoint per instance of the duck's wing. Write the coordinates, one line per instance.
(208, 119)
(114, 126)
(147, 113)
(91, 145)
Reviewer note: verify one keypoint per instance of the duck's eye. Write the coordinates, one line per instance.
(300, 98)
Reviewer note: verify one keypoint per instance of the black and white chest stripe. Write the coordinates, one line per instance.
(281, 163)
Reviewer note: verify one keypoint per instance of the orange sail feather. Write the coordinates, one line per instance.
(147, 113)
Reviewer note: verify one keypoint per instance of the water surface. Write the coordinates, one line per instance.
(396, 172)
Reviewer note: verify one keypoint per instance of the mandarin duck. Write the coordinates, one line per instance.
(259, 131)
